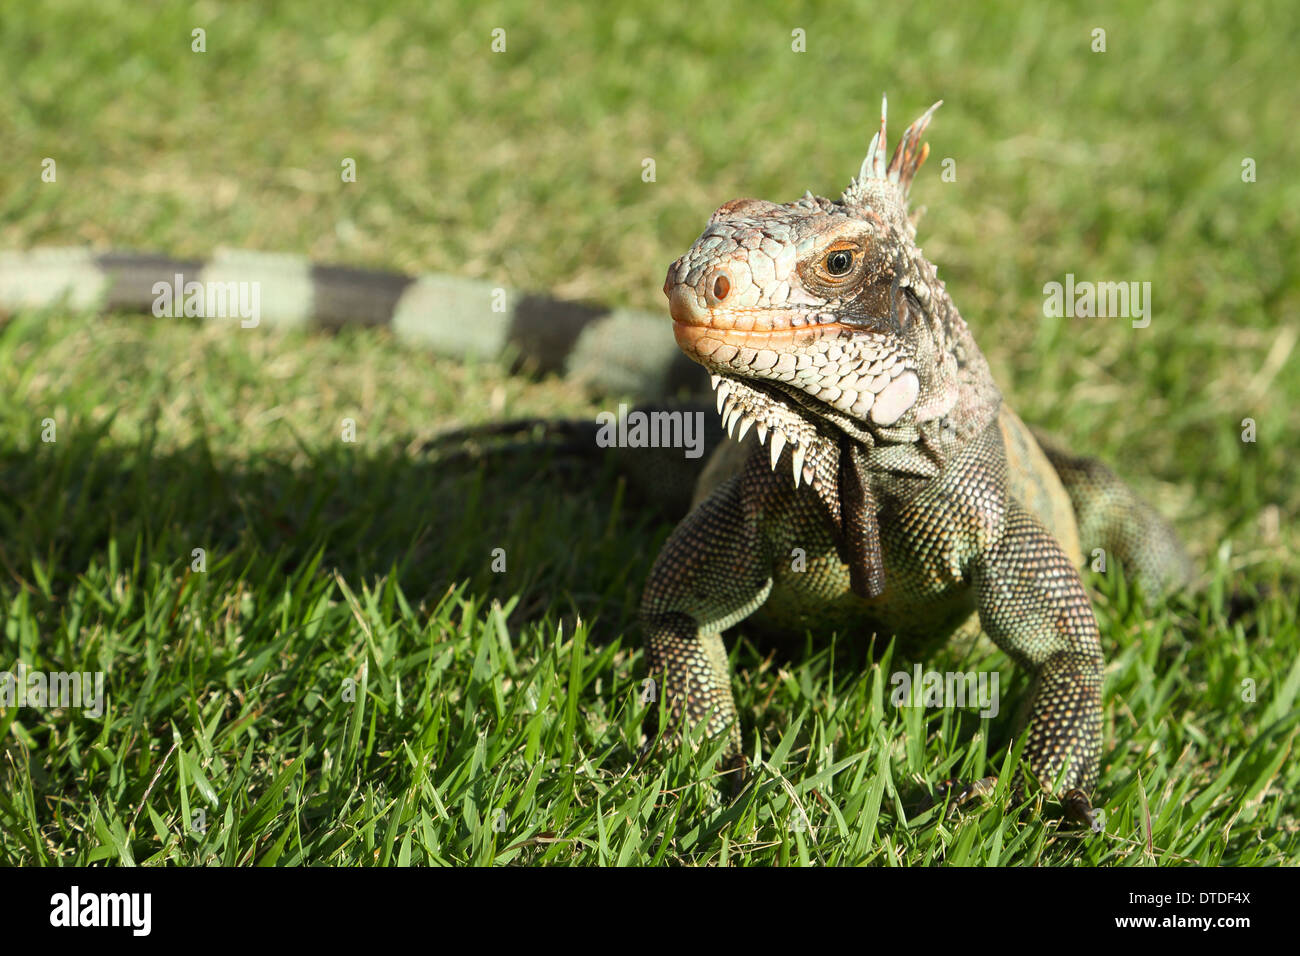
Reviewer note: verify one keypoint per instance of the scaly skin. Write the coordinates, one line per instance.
(883, 451)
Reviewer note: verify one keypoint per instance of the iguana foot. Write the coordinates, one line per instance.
(1079, 809)
(735, 773)
(962, 794)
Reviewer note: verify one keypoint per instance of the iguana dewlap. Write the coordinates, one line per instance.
(881, 485)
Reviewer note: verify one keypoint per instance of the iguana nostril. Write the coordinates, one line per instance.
(721, 286)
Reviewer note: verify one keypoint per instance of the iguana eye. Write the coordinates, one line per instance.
(839, 262)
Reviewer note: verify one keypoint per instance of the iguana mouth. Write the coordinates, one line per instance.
(692, 309)
(700, 341)
(831, 368)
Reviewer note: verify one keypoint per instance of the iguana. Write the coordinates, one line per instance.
(880, 451)
(922, 503)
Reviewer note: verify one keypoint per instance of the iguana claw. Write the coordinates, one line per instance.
(964, 793)
(1079, 809)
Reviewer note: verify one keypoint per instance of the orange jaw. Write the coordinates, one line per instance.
(700, 341)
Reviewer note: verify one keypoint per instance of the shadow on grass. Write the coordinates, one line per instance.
(549, 527)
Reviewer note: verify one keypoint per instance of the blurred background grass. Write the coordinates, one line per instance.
(524, 167)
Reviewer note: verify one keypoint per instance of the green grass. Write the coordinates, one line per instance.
(496, 717)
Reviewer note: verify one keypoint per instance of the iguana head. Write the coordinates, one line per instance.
(819, 316)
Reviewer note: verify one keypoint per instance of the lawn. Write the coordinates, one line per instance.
(308, 655)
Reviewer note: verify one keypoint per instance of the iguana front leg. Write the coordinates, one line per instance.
(1033, 605)
(710, 575)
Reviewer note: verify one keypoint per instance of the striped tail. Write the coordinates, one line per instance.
(611, 350)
